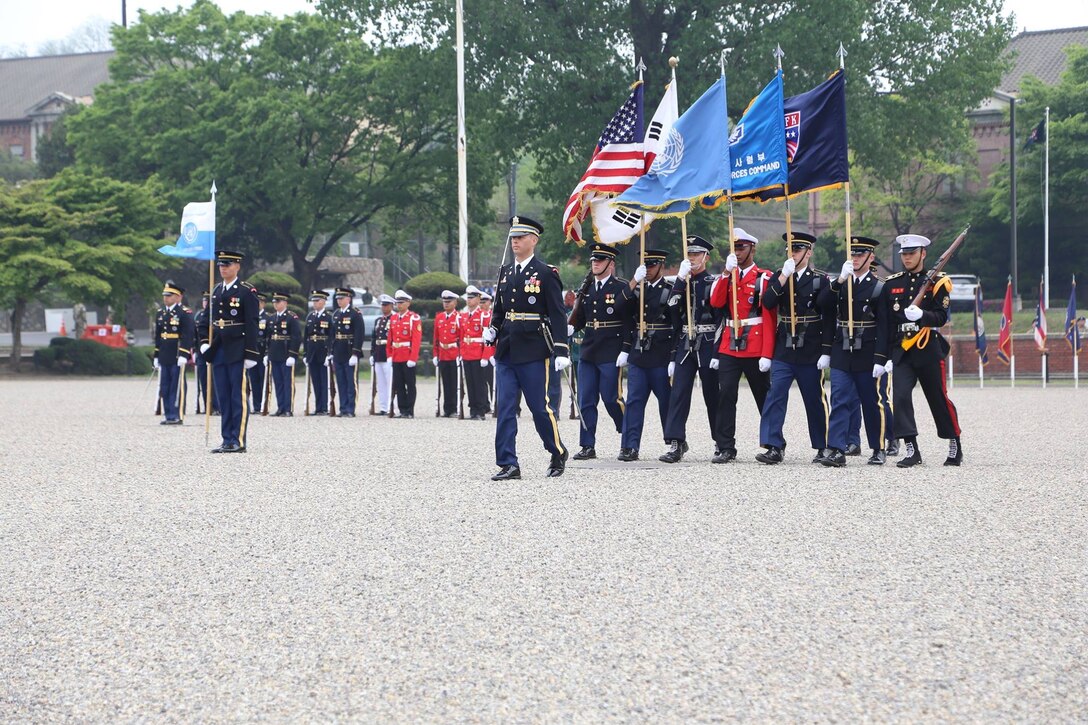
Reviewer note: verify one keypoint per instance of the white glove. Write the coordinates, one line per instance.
(250, 364)
(483, 362)
(685, 270)
(182, 361)
(411, 363)
(714, 363)
(266, 361)
(672, 368)
(305, 362)
(764, 364)
(640, 273)
(290, 362)
(204, 348)
(789, 267)
(730, 263)
(328, 359)
(824, 362)
(489, 335)
(434, 360)
(888, 366)
(878, 370)
(913, 313)
(561, 364)
(371, 361)
(353, 361)
(570, 330)
(155, 363)
(621, 360)
(458, 359)
(846, 271)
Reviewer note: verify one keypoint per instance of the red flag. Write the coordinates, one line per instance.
(1004, 340)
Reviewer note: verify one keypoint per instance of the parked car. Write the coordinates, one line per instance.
(963, 292)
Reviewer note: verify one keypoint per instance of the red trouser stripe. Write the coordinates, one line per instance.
(951, 408)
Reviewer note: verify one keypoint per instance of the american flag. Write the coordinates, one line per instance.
(1038, 327)
(617, 162)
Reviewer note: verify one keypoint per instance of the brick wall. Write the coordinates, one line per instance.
(16, 134)
(1029, 362)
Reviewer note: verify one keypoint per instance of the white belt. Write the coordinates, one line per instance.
(747, 322)
(702, 329)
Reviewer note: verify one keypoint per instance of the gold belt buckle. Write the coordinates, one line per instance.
(219, 323)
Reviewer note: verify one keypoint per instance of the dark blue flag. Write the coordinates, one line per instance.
(980, 327)
(1037, 135)
(1072, 334)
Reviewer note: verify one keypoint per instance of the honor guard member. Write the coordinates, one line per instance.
(284, 340)
(748, 352)
(257, 373)
(233, 349)
(380, 364)
(918, 351)
(174, 335)
(695, 348)
(345, 349)
(489, 347)
(447, 351)
(315, 346)
(603, 312)
(529, 330)
(801, 356)
(648, 362)
(200, 321)
(405, 336)
(473, 362)
(857, 363)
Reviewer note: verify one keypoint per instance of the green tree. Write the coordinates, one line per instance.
(308, 131)
(55, 153)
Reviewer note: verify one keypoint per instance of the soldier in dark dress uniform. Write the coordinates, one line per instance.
(200, 321)
(315, 346)
(174, 335)
(345, 349)
(695, 349)
(284, 340)
(918, 352)
(257, 382)
(528, 325)
(650, 354)
(801, 357)
(233, 349)
(857, 363)
(380, 365)
(604, 314)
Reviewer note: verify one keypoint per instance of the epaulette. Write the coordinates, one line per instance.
(897, 274)
(621, 280)
(247, 285)
(187, 309)
(294, 315)
(414, 315)
(553, 268)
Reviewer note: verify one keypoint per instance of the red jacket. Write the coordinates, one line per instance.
(472, 334)
(447, 335)
(758, 326)
(405, 334)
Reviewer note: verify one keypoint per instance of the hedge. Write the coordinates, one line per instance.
(429, 285)
(87, 357)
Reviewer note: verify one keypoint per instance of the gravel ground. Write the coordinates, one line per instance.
(368, 569)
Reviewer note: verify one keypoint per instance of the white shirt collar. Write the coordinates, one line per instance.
(601, 282)
(747, 269)
(801, 271)
(525, 263)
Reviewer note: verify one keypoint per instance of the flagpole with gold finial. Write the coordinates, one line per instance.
(850, 279)
(779, 54)
(641, 250)
(673, 62)
(211, 327)
(735, 274)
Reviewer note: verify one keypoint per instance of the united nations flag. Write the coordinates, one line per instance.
(197, 238)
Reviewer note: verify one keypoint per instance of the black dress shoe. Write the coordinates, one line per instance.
(770, 456)
(675, 453)
(232, 448)
(955, 453)
(507, 473)
(912, 458)
(219, 449)
(892, 449)
(852, 450)
(383, 412)
(729, 454)
(877, 459)
(821, 455)
(585, 454)
(557, 465)
(170, 422)
(278, 414)
(834, 459)
(628, 454)
(347, 415)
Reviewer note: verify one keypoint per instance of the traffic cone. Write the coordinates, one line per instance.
(63, 329)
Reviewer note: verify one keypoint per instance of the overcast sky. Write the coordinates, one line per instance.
(29, 24)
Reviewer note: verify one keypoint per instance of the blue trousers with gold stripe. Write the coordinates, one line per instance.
(774, 409)
(640, 383)
(848, 390)
(173, 405)
(284, 382)
(231, 389)
(346, 387)
(598, 381)
(531, 380)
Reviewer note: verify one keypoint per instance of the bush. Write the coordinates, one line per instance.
(269, 282)
(87, 357)
(429, 286)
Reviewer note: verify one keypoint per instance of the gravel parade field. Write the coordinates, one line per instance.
(367, 569)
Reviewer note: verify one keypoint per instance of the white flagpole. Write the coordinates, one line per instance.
(462, 160)
(1046, 211)
(1044, 369)
(1012, 371)
(980, 378)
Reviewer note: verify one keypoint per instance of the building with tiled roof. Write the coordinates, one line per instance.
(34, 92)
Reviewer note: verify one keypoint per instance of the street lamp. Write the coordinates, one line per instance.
(1012, 101)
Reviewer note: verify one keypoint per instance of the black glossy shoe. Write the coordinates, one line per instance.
(507, 473)
(170, 422)
(628, 454)
(877, 459)
(821, 455)
(912, 456)
(771, 456)
(585, 454)
(220, 449)
(729, 454)
(557, 465)
(234, 448)
(955, 453)
(852, 450)
(279, 414)
(675, 453)
(892, 449)
(834, 459)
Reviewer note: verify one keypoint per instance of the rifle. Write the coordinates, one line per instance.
(573, 395)
(306, 411)
(373, 385)
(909, 342)
(460, 390)
(267, 386)
(158, 401)
(551, 349)
(438, 395)
(332, 389)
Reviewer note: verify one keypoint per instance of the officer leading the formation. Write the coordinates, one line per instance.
(345, 349)
(284, 335)
(529, 323)
(918, 351)
(316, 348)
(648, 363)
(602, 310)
(233, 347)
(174, 335)
(857, 363)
